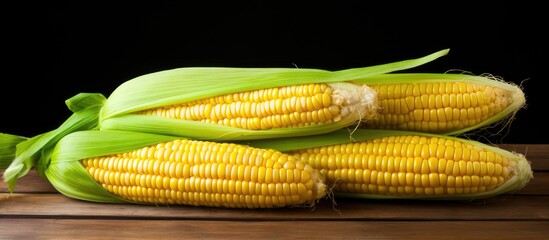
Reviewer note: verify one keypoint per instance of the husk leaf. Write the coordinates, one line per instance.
(180, 85)
(8, 143)
(191, 83)
(31, 151)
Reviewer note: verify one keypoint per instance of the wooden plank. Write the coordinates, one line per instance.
(180, 229)
(498, 208)
(538, 154)
(537, 186)
(30, 183)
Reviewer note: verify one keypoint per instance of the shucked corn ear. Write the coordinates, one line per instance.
(117, 167)
(411, 165)
(442, 103)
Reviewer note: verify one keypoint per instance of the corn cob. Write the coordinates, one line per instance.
(119, 167)
(410, 165)
(281, 107)
(442, 103)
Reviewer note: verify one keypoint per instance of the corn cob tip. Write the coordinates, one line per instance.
(357, 101)
(519, 97)
(320, 190)
(511, 101)
(523, 170)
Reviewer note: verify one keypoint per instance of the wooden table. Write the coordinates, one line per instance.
(38, 211)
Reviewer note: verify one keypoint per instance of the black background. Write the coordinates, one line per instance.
(53, 51)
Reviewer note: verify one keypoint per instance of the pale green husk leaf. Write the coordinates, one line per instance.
(205, 131)
(8, 143)
(180, 85)
(33, 151)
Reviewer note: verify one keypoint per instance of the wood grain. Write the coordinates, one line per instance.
(61, 229)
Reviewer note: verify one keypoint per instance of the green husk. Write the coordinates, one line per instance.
(180, 85)
(8, 145)
(523, 172)
(191, 83)
(518, 97)
(33, 150)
